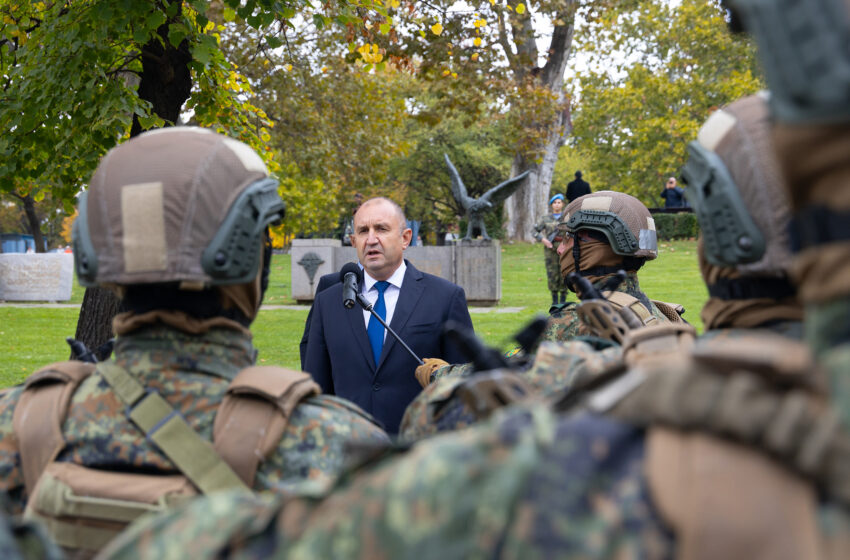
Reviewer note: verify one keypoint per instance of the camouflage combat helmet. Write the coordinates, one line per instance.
(735, 186)
(177, 205)
(621, 218)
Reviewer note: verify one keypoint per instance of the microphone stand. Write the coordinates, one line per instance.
(364, 303)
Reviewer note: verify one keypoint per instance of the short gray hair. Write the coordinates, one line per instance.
(396, 208)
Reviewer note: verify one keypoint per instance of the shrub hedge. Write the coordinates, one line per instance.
(682, 225)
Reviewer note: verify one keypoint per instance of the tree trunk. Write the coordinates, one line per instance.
(34, 222)
(529, 203)
(94, 326)
(166, 82)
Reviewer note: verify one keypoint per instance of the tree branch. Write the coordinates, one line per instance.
(504, 42)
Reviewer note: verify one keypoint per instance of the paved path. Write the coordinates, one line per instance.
(472, 310)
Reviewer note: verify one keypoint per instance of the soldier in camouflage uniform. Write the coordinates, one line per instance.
(546, 231)
(647, 467)
(176, 222)
(607, 231)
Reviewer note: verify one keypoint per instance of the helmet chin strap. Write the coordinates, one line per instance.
(576, 252)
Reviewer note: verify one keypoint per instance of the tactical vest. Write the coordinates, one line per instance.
(84, 508)
(740, 442)
(673, 311)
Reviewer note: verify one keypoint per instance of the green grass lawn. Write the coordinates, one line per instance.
(34, 336)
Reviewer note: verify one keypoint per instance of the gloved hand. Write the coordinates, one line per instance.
(423, 372)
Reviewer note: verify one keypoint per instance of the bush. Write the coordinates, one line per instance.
(682, 225)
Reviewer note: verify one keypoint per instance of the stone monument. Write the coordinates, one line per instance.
(36, 277)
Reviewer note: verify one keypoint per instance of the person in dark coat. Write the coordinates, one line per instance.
(578, 187)
(673, 195)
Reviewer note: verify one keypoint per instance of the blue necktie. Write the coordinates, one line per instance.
(376, 329)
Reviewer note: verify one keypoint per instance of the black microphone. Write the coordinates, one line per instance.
(350, 278)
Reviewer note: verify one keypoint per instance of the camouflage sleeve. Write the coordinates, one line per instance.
(558, 364)
(451, 370)
(564, 324)
(11, 475)
(419, 419)
(538, 230)
(24, 539)
(313, 444)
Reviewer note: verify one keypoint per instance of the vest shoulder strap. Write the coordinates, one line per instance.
(255, 412)
(40, 413)
(623, 299)
(161, 424)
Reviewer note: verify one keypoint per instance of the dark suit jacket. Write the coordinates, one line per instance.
(325, 281)
(577, 188)
(339, 356)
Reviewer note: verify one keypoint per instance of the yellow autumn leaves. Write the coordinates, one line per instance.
(370, 53)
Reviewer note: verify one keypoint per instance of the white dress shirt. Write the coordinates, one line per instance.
(390, 294)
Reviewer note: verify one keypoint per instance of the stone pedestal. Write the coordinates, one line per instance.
(478, 269)
(36, 277)
(311, 259)
(476, 266)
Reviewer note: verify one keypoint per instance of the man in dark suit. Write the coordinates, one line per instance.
(348, 352)
(578, 187)
(325, 281)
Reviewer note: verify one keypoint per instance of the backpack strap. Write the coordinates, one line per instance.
(40, 413)
(164, 426)
(254, 413)
(725, 500)
(622, 299)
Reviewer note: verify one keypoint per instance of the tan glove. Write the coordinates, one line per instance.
(423, 372)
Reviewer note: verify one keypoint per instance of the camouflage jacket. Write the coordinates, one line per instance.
(531, 482)
(564, 323)
(547, 225)
(192, 373)
(439, 408)
(526, 484)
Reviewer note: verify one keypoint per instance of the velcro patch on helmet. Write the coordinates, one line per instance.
(715, 129)
(602, 203)
(143, 223)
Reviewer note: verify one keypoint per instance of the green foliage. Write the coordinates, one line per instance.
(424, 178)
(69, 75)
(681, 225)
(310, 205)
(336, 124)
(657, 70)
(570, 160)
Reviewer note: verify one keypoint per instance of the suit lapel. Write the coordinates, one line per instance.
(361, 338)
(411, 291)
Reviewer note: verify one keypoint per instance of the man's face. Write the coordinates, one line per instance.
(671, 183)
(557, 206)
(379, 238)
